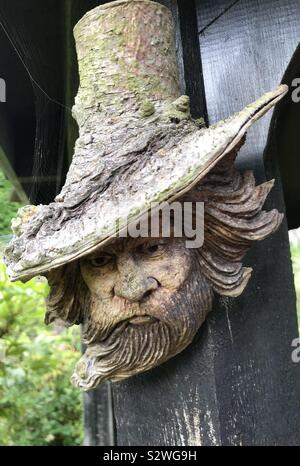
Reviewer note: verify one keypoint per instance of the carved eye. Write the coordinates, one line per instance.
(101, 261)
(154, 249)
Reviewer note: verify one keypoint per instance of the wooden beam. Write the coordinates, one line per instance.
(9, 172)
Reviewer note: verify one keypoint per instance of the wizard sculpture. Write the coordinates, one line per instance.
(140, 300)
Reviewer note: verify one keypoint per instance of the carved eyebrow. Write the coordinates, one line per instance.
(116, 248)
(124, 244)
(96, 254)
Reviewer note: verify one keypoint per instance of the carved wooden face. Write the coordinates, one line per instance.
(147, 300)
(140, 301)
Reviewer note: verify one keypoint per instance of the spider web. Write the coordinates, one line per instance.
(49, 132)
(50, 113)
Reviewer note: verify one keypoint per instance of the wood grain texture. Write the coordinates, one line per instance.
(245, 52)
(98, 417)
(258, 401)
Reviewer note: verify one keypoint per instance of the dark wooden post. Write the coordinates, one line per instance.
(236, 384)
(98, 417)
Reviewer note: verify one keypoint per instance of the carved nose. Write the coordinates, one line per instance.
(132, 282)
(135, 288)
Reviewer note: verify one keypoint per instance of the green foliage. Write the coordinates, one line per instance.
(38, 405)
(295, 251)
(7, 209)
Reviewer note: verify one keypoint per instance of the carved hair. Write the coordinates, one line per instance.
(233, 220)
(68, 295)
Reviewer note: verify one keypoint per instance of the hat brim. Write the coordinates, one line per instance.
(163, 177)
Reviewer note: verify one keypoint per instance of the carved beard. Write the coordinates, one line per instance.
(130, 349)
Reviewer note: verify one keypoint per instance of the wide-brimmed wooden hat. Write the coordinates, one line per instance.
(137, 146)
(49, 236)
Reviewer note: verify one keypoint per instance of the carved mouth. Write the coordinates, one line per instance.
(139, 320)
(135, 320)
